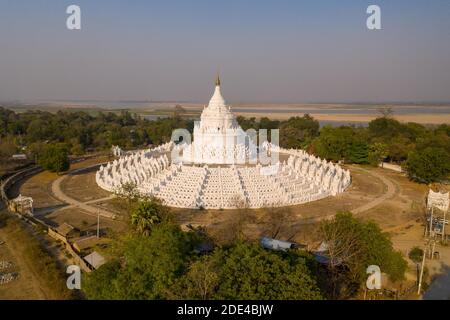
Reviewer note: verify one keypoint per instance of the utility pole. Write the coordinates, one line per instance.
(443, 227)
(431, 221)
(421, 270)
(98, 224)
(432, 250)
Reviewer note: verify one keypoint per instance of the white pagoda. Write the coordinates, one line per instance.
(219, 169)
(218, 138)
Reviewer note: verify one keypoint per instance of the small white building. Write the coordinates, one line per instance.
(22, 205)
(278, 245)
(19, 156)
(95, 259)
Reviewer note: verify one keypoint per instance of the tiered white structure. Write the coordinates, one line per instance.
(218, 138)
(212, 176)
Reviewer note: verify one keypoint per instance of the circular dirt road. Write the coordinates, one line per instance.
(57, 191)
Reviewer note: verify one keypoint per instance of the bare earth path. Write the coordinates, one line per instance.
(390, 189)
(59, 193)
(390, 192)
(56, 189)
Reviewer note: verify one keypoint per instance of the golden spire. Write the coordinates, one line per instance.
(218, 81)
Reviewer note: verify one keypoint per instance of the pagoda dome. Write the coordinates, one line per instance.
(217, 113)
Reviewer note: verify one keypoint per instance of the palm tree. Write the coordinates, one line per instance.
(148, 213)
(416, 255)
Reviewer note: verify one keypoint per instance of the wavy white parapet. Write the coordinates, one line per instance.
(302, 178)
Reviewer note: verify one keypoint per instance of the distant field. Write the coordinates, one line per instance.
(325, 113)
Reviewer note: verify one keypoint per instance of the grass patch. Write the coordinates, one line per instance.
(44, 267)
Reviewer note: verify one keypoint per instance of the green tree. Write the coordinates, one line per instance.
(146, 214)
(435, 139)
(266, 123)
(103, 283)
(54, 158)
(247, 123)
(77, 149)
(384, 127)
(334, 143)
(354, 245)
(247, 271)
(34, 150)
(358, 152)
(416, 255)
(179, 112)
(428, 165)
(377, 153)
(200, 282)
(8, 147)
(146, 267)
(378, 250)
(399, 148)
(129, 192)
(298, 132)
(38, 130)
(414, 131)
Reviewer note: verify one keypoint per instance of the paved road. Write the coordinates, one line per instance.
(440, 287)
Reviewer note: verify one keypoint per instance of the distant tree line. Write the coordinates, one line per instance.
(81, 131)
(423, 150)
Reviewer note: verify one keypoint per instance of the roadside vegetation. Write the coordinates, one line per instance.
(157, 260)
(352, 246)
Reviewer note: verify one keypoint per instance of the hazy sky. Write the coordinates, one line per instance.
(267, 51)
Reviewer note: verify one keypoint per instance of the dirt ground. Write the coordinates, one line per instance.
(83, 187)
(82, 220)
(381, 195)
(407, 204)
(30, 284)
(412, 235)
(299, 222)
(39, 187)
(296, 223)
(26, 286)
